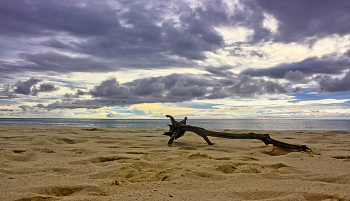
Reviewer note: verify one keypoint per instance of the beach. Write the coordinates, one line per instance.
(85, 163)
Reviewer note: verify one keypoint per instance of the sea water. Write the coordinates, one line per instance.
(248, 124)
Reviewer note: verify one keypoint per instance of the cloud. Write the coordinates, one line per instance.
(328, 64)
(153, 86)
(55, 62)
(329, 84)
(6, 110)
(299, 20)
(133, 35)
(110, 115)
(26, 18)
(25, 87)
(45, 87)
(5, 92)
(168, 89)
(108, 36)
(347, 53)
(248, 87)
(223, 71)
(296, 77)
(110, 88)
(24, 107)
(76, 95)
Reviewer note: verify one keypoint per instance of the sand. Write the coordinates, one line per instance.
(69, 163)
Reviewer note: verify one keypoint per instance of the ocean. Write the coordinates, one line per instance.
(247, 124)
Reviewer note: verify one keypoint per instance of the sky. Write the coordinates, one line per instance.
(136, 59)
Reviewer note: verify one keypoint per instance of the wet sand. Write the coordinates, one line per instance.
(70, 163)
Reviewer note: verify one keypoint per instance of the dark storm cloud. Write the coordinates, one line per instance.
(110, 88)
(329, 84)
(140, 34)
(134, 36)
(347, 53)
(25, 87)
(328, 64)
(190, 86)
(299, 19)
(153, 86)
(46, 18)
(76, 95)
(51, 61)
(54, 62)
(166, 89)
(144, 37)
(88, 104)
(172, 88)
(251, 16)
(45, 87)
(249, 87)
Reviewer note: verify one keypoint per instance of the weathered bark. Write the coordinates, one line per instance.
(178, 129)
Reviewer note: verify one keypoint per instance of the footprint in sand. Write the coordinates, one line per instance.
(68, 141)
(93, 129)
(21, 156)
(57, 140)
(199, 156)
(82, 151)
(37, 198)
(45, 150)
(223, 158)
(202, 174)
(342, 157)
(275, 151)
(248, 168)
(107, 141)
(226, 168)
(259, 194)
(18, 151)
(136, 152)
(229, 168)
(320, 196)
(100, 160)
(188, 148)
(142, 171)
(249, 158)
(221, 150)
(61, 191)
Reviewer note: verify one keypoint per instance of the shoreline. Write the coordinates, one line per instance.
(85, 163)
(248, 124)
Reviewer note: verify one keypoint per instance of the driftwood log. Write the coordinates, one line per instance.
(178, 129)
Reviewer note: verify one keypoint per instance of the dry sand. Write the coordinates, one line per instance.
(68, 163)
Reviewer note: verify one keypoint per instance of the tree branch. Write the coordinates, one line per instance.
(178, 129)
